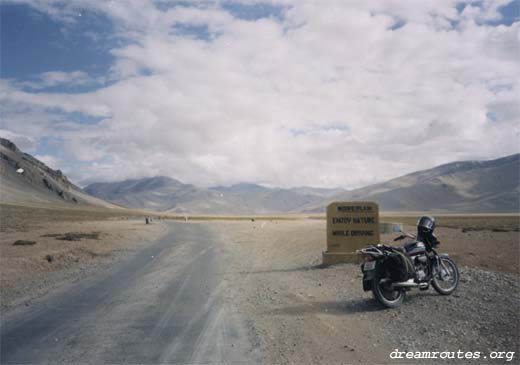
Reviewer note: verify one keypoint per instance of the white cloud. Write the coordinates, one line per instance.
(24, 143)
(51, 161)
(329, 96)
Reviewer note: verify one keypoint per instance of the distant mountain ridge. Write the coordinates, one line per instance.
(169, 195)
(463, 186)
(158, 193)
(112, 190)
(241, 188)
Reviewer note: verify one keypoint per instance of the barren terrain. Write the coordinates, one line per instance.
(302, 312)
(54, 260)
(293, 309)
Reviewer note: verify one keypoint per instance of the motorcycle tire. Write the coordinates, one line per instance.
(389, 298)
(437, 280)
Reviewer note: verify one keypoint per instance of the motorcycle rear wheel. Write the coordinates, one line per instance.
(445, 283)
(387, 296)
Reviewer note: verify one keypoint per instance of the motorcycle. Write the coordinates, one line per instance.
(392, 271)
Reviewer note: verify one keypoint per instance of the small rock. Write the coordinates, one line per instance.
(24, 243)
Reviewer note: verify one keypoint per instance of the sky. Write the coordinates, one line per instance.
(333, 93)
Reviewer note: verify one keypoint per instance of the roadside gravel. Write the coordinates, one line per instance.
(301, 312)
(481, 316)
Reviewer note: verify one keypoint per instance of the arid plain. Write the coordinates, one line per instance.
(297, 310)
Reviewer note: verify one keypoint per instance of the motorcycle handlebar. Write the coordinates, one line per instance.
(403, 236)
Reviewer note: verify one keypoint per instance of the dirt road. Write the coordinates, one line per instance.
(166, 305)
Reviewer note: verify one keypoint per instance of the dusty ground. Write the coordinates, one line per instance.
(25, 218)
(297, 311)
(302, 313)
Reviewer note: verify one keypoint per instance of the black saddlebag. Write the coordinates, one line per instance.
(399, 267)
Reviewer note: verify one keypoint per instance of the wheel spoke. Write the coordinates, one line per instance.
(447, 275)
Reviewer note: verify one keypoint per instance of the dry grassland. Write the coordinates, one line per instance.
(68, 244)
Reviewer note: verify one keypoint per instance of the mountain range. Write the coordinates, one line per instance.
(169, 195)
(464, 186)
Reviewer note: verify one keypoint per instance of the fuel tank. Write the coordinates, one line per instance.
(414, 248)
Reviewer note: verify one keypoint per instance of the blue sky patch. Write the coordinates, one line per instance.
(33, 43)
(49, 146)
(193, 31)
(399, 23)
(254, 11)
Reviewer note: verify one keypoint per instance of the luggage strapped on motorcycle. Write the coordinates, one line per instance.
(399, 266)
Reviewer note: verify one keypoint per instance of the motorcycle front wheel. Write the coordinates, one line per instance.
(385, 294)
(446, 276)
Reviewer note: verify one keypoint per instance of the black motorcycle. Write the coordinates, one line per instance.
(392, 271)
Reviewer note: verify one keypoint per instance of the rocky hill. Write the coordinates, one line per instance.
(464, 186)
(24, 179)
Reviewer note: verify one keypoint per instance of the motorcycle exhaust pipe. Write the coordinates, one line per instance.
(409, 284)
(406, 284)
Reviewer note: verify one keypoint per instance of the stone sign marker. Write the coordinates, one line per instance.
(350, 226)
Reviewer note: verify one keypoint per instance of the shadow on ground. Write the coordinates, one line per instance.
(294, 269)
(354, 306)
(364, 305)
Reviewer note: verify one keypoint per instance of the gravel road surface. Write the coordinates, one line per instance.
(165, 305)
